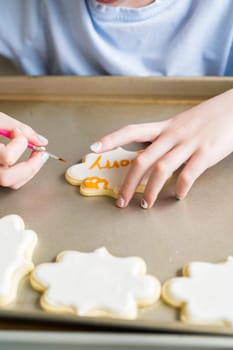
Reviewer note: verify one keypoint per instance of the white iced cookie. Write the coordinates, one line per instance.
(205, 294)
(16, 248)
(95, 284)
(103, 173)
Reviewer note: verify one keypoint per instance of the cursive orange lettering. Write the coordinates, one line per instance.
(96, 163)
(124, 162)
(108, 165)
(95, 182)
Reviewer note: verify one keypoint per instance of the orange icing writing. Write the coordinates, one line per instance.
(108, 164)
(94, 182)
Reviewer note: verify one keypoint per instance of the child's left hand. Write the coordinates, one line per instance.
(198, 138)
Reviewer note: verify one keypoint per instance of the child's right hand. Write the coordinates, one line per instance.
(13, 174)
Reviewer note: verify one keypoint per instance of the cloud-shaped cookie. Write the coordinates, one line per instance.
(205, 294)
(103, 173)
(16, 248)
(95, 284)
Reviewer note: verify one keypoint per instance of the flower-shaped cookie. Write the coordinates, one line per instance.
(16, 248)
(205, 294)
(95, 284)
(103, 173)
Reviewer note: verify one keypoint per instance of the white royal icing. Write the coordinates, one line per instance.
(14, 251)
(111, 166)
(93, 282)
(207, 292)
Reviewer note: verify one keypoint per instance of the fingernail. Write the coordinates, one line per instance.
(180, 197)
(42, 139)
(96, 147)
(144, 204)
(18, 130)
(120, 202)
(45, 157)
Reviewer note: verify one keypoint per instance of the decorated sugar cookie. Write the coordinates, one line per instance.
(204, 294)
(95, 284)
(16, 248)
(103, 173)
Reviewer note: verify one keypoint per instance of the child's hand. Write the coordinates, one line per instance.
(16, 175)
(197, 138)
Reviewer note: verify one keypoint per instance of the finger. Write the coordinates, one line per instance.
(26, 179)
(8, 123)
(22, 172)
(196, 165)
(140, 166)
(131, 133)
(12, 151)
(162, 170)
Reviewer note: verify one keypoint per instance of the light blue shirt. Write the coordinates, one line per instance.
(83, 37)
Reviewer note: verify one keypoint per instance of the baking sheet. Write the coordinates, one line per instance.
(73, 113)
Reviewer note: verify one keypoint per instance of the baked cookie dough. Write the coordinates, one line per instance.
(103, 173)
(16, 248)
(204, 294)
(95, 284)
